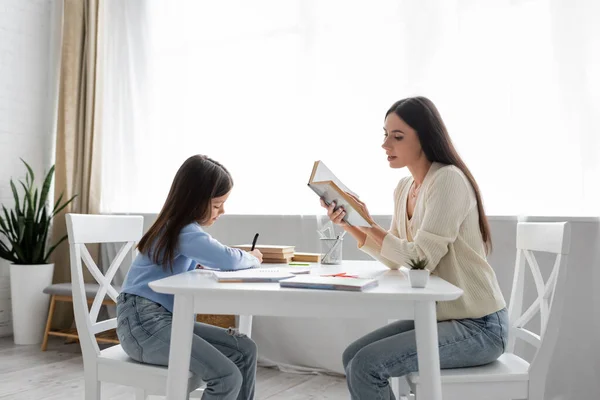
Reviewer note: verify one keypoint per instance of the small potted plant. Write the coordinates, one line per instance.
(418, 275)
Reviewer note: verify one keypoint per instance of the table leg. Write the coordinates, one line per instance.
(180, 352)
(400, 386)
(245, 324)
(427, 351)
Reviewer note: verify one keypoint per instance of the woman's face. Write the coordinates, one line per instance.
(401, 142)
(217, 208)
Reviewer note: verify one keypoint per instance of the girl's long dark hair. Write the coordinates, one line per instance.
(197, 182)
(422, 115)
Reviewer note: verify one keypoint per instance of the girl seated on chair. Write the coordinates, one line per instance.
(176, 243)
(438, 215)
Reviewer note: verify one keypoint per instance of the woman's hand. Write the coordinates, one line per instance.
(363, 208)
(336, 216)
(256, 253)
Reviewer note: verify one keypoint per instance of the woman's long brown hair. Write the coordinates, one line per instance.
(422, 115)
(197, 182)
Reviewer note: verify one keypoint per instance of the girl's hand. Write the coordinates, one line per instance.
(256, 253)
(336, 216)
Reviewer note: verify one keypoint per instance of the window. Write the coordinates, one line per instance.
(268, 87)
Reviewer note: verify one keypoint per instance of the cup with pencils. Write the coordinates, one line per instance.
(331, 250)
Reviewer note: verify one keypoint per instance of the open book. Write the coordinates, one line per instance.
(324, 183)
(253, 275)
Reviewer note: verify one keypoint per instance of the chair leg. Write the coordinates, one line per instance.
(48, 322)
(93, 389)
(140, 394)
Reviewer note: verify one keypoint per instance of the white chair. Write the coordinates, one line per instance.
(511, 377)
(111, 364)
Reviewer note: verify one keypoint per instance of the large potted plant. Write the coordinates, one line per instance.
(24, 234)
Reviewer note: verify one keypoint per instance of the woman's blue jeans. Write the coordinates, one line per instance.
(391, 351)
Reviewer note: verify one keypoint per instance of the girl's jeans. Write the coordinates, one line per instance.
(222, 358)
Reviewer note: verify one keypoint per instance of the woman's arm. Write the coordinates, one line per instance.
(447, 202)
(371, 245)
(356, 233)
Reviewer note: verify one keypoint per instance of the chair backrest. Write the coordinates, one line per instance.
(547, 237)
(84, 229)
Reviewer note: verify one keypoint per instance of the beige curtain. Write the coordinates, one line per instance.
(78, 129)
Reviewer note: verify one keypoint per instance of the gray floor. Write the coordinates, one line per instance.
(28, 373)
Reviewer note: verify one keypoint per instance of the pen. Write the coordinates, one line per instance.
(254, 241)
(295, 263)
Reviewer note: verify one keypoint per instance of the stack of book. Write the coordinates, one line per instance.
(307, 257)
(272, 254)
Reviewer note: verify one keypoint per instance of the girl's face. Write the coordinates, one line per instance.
(217, 208)
(401, 143)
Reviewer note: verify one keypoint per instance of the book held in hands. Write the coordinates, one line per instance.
(325, 184)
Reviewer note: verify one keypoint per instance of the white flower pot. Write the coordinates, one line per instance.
(418, 277)
(29, 303)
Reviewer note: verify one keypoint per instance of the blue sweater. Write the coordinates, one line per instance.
(195, 247)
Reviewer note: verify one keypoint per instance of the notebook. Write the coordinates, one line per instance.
(324, 183)
(328, 283)
(257, 275)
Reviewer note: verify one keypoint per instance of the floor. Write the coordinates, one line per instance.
(28, 373)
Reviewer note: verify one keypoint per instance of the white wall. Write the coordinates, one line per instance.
(29, 54)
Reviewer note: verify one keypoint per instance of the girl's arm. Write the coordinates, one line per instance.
(198, 245)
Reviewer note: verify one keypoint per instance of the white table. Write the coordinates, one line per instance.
(394, 299)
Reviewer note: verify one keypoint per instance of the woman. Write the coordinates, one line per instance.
(438, 215)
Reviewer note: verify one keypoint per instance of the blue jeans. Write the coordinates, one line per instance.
(224, 359)
(391, 351)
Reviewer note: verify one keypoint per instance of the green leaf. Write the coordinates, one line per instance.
(56, 211)
(51, 249)
(20, 254)
(40, 246)
(58, 201)
(21, 227)
(10, 229)
(6, 253)
(30, 171)
(15, 194)
(3, 227)
(35, 198)
(45, 189)
(15, 224)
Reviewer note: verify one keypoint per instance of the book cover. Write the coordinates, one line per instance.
(268, 249)
(325, 184)
(328, 283)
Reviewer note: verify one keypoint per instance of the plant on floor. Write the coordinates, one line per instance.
(26, 227)
(418, 263)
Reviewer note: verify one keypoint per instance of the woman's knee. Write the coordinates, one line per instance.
(247, 346)
(232, 381)
(349, 354)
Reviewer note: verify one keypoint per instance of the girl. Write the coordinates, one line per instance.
(438, 215)
(176, 243)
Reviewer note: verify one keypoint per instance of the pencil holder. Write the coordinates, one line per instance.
(331, 251)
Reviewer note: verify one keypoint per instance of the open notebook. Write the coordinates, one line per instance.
(258, 274)
(328, 283)
(325, 184)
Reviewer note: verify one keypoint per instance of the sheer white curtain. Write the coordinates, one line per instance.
(268, 86)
